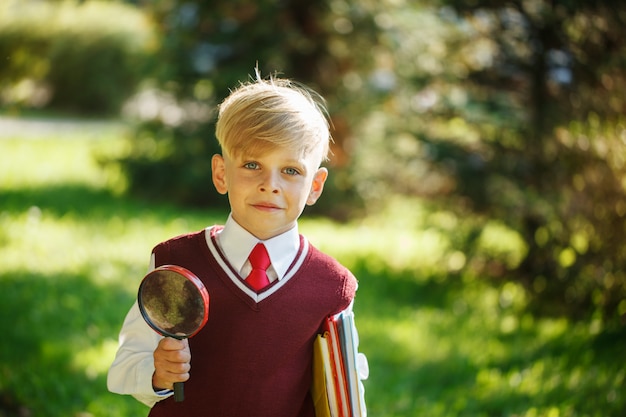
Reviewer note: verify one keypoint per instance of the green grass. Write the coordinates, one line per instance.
(440, 342)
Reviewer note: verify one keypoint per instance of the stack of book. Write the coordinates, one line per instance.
(338, 368)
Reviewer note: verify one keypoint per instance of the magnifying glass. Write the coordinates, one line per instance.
(175, 303)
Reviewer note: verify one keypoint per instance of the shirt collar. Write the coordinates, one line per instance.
(237, 243)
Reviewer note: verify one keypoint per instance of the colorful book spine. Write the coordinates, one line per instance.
(336, 363)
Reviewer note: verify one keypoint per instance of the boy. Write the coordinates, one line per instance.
(253, 357)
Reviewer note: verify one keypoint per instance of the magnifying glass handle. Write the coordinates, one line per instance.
(179, 391)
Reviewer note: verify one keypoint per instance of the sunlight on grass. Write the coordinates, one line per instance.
(374, 242)
(35, 162)
(95, 360)
(37, 241)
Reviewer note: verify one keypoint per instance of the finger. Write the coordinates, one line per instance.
(174, 372)
(169, 343)
(169, 358)
(174, 364)
(165, 380)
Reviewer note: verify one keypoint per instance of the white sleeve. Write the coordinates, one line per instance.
(132, 369)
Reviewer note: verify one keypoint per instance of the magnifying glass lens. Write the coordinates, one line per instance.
(172, 303)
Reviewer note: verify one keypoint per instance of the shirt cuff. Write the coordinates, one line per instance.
(147, 394)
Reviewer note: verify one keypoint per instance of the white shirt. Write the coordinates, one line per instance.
(236, 243)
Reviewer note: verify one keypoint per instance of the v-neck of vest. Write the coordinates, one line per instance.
(237, 284)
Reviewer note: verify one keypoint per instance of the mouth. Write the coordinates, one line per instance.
(266, 206)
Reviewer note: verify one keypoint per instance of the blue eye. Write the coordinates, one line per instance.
(291, 171)
(251, 165)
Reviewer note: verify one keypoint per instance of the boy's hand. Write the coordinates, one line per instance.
(171, 363)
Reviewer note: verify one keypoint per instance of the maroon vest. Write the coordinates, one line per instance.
(254, 359)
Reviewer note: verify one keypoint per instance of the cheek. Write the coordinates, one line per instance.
(239, 182)
(289, 192)
(302, 194)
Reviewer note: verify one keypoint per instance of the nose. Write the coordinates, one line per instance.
(270, 183)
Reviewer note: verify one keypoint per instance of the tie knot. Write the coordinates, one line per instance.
(259, 259)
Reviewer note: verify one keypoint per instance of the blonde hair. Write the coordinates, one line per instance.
(267, 113)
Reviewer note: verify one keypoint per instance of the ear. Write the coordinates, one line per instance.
(319, 178)
(218, 173)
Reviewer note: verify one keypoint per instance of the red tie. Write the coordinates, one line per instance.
(260, 261)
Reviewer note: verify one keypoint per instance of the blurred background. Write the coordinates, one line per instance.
(477, 187)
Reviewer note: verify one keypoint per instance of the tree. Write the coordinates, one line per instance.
(514, 111)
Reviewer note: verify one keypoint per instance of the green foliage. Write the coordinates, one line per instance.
(440, 341)
(157, 165)
(553, 176)
(86, 57)
(512, 112)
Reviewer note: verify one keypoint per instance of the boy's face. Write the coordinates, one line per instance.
(268, 192)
